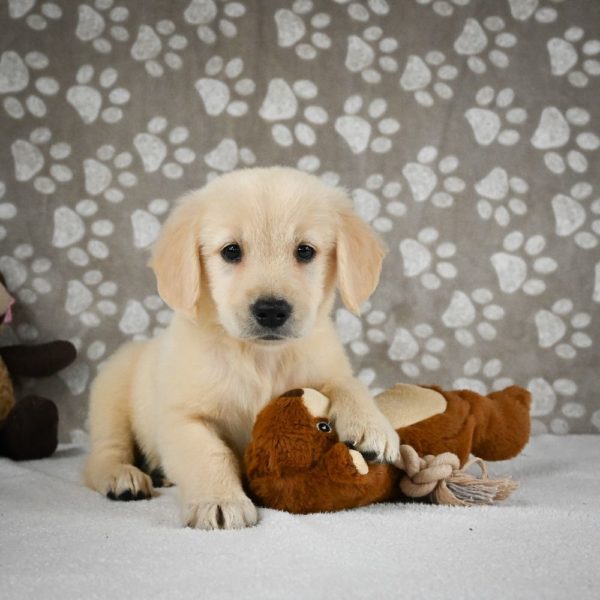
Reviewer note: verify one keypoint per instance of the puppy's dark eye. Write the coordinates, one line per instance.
(305, 253)
(232, 253)
(324, 426)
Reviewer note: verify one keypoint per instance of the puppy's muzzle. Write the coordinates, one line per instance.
(271, 313)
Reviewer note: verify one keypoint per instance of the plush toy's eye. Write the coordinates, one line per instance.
(324, 426)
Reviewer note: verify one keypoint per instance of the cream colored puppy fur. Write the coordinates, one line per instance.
(189, 397)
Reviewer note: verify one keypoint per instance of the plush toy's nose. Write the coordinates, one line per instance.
(271, 312)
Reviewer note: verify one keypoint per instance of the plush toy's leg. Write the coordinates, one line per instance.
(30, 430)
(40, 360)
(503, 423)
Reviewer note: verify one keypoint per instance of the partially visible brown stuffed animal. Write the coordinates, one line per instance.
(29, 427)
(296, 462)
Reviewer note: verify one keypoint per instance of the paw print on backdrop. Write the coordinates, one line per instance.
(482, 377)
(427, 258)
(107, 173)
(570, 215)
(31, 156)
(88, 98)
(99, 21)
(554, 132)
(542, 12)
(429, 171)
(485, 43)
(145, 225)
(444, 8)
(310, 163)
(214, 17)
(283, 103)
(8, 211)
(37, 17)
(545, 397)
(499, 196)
(157, 44)
(564, 56)
(91, 299)
(302, 29)
(368, 202)
(431, 72)
(18, 78)
(370, 54)
(353, 330)
(143, 320)
(476, 312)
(226, 156)
(494, 117)
(217, 95)
(361, 12)
(161, 147)
(365, 125)
(561, 324)
(522, 257)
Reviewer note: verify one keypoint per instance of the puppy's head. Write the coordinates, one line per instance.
(263, 249)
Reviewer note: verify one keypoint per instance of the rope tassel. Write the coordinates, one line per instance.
(441, 478)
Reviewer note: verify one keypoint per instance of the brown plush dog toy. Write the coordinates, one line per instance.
(295, 461)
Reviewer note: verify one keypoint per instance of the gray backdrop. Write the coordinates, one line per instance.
(466, 131)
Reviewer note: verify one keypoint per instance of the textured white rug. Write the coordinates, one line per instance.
(60, 540)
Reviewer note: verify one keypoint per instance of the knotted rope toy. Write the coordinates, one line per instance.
(441, 479)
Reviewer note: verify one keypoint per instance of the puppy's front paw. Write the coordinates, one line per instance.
(220, 514)
(126, 482)
(369, 433)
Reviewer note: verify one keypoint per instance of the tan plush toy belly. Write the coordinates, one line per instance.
(296, 462)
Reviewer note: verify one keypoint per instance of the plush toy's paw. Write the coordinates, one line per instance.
(369, 433)
(359, 462)
(220, 514)
(127, 482)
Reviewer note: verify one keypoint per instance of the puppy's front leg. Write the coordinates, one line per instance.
(359, 421)
(207, 474)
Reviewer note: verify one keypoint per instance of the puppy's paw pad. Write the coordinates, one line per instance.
(234, 514)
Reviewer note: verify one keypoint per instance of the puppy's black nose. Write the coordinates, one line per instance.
(271, 312)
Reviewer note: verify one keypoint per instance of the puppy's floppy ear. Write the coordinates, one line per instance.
(359, 255)
(176, 259)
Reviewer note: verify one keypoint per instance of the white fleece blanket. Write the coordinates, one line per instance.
(60, 540)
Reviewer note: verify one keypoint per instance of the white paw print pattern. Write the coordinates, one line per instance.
(552, 328)
(488, 126)
(226, 156)
(8, 210)
(283, 102)
(214, 17)
(361, 57)
(91, 300)
(368, 376)
(463, 312)
(71, 226)
(99, 177)
(423, 180)
(363, 11)
(570, 215)
(564, 57)
(416, 349)
(474, 42)
(292, 29)
(102, 18)
(23, 267)
(38, 21)
(444, 8)
(145, 225)
(138, 317)
(500, 196)
(513, 270)
(15, 78)
(29, 160)
(357, 129)
(421, 74)
(88, 100)
(216, 94)
(482, 377)
(554, 132)
(542, 12)
(427, 259)
(368, 201)
(154, 44)
(545, 397)
(161, 148)
(351, 328)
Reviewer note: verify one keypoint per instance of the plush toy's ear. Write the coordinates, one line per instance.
(176, 259)
(359, 257)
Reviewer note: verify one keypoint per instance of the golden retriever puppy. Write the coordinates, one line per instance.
(249, 264)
